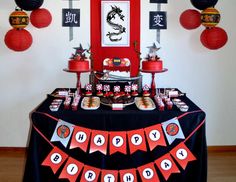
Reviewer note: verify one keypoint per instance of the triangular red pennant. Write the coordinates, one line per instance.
(117, 142)
(80, 138)
(155, 136)
(99, 141)
(182, 155)
(167, 166)
(148, 172)
(137, 141)
(109, 176)
(71, 170)
(90, 174)
(128, 175)
(55, 159)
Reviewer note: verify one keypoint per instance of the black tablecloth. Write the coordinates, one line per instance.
(107, 120)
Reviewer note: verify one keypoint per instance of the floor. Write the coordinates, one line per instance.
(221, 166)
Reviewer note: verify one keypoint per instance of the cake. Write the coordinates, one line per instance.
(152, 62)
(78, 60)
(78, 65)
(152, 65)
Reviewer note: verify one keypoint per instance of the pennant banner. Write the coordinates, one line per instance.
(136, 140)
(155, 136)
(71, 170)
(128, 175)
(90, 174)
(167, 166)
(117, 142)
(109, 175)
(63, 132)
(148, 172)
(55, 159)
(80, 138)
(182, 155)
(172, 130)
(99, 141)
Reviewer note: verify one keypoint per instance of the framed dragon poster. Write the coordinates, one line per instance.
(115, 23)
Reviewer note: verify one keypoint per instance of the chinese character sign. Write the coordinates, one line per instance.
(158, 1)
(70, 17)
(158, 20)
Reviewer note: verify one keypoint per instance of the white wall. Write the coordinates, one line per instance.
(206, 76)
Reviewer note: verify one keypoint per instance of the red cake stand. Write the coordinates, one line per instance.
(78, 73)
(153, 85)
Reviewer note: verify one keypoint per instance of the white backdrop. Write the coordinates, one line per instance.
(208, 77)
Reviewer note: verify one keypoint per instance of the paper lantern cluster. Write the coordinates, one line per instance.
(212, 37)
(19, 39)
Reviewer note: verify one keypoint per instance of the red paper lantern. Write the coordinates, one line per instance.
(190, 19)
(214, 38)
(210, 17)
(40, 18)
(18, 40)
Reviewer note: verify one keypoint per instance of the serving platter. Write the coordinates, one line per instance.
(90, 103)
(145, 103)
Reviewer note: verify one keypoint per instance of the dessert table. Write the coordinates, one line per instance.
(43, 123)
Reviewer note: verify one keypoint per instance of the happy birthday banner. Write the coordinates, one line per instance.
(80, 138)
(165, 164)
(117, 141)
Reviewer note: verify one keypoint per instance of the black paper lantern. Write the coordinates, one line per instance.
(203, 4)
(29, 5)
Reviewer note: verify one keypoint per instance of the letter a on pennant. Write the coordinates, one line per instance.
(99, 141)
(167, 166)
(55, 159)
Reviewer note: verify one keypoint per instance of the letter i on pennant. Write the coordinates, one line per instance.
(71, 170)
